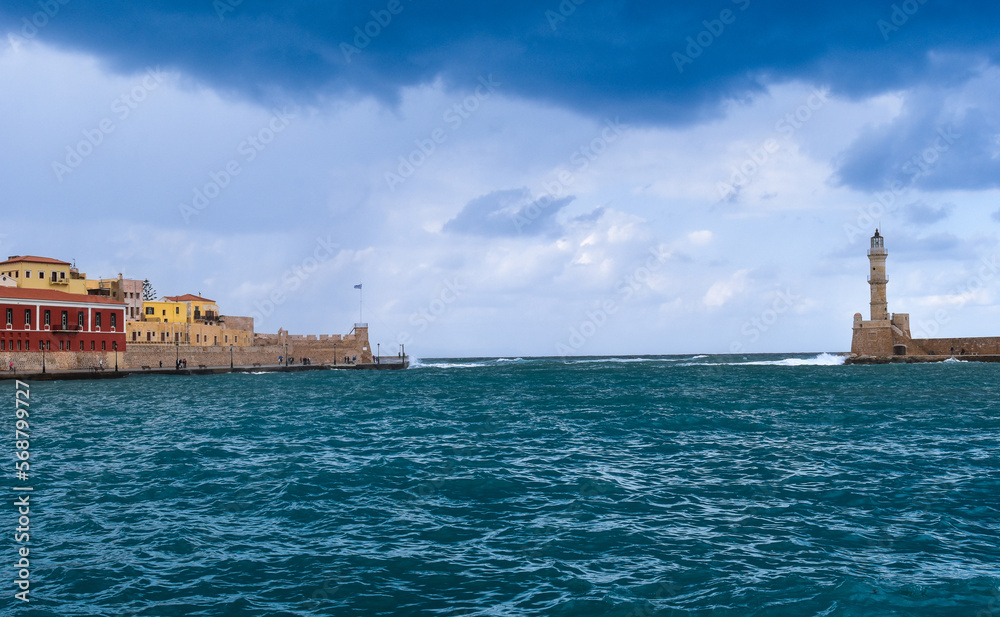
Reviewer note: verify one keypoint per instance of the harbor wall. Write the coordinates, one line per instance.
(319, 350)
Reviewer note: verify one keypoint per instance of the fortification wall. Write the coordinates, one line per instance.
(58, 360)
(872, 338)
(987, 345)
(318, 350)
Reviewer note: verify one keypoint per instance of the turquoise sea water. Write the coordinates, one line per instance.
(677, 485)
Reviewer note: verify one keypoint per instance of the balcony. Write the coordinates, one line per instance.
(67, 329)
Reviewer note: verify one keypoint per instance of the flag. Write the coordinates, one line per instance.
(358, 286)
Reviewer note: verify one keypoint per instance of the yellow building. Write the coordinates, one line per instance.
(33, 272)
(188, 320)
(163, 311)
(198, 309)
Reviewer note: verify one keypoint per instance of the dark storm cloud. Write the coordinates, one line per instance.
(508, 213)
(934, 144)
(920, 213)
(667, 62)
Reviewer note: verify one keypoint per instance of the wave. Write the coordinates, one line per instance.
(823, 359)
(418, 364)
(628, 360)
(954, 359)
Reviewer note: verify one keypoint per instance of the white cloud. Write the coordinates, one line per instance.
(723, 291)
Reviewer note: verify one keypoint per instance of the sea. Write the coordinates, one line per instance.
(701, 485)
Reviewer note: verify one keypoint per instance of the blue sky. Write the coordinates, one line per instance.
(516, 179)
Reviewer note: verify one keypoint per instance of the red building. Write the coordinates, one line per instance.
(59, 321)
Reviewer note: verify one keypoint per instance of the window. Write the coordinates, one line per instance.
(197, 338)
(177, 310)
(149, 337)
(65, 320)
(19, 345)
(97, 319)
(10, 316)
(91, 345)
(27, 346)
(27, 317)
(79, 319)
(114, 320)
(164, 312)
(3, 345)
(81, 345)
(134, 334)
(27, 275)
(61, 343)
(226, 339)
(104, 346)
(62, 276)
(48, 318)
(150, 311)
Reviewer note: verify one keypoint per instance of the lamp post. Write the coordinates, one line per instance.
(42, 345)
(114, 345)
(177, 355)
(335, 354)
(378, 355)
(230, 356)
(286, 354)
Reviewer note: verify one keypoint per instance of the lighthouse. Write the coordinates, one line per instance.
(876, 278)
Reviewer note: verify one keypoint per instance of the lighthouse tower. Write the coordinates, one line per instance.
(876, 278)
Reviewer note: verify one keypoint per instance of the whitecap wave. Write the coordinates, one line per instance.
(620, 360)
(823, 359)
(445, 365)
(954, 359)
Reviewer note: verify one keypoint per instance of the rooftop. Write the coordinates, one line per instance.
(188, 298)
(33, 259)
(52, 295)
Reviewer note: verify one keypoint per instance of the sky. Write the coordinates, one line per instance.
(568, 177)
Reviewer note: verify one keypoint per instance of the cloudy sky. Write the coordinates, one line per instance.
(517, 178)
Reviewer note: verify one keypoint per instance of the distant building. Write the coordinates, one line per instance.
(887, 336)
(189, 320)
(33, 272)
(122, 289)
(37, 319)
